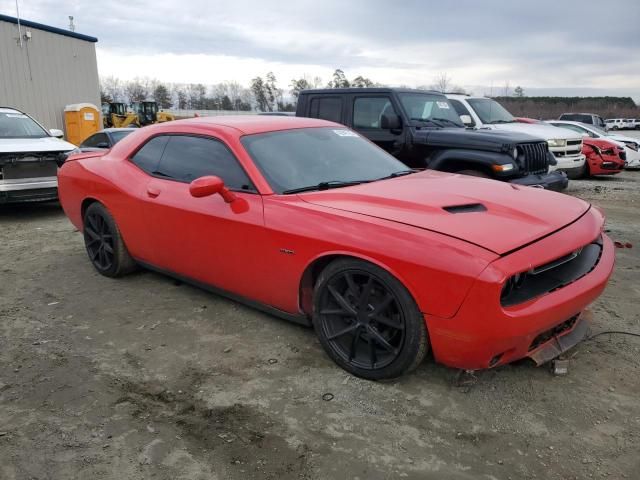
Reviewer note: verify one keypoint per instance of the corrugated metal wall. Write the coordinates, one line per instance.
(47, 73)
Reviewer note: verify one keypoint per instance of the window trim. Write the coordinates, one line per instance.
(252, 188)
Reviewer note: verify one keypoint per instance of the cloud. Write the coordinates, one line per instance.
(539, 44)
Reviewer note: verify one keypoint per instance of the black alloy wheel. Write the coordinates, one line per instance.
(98, 239)
(367, 321)
(104, 244)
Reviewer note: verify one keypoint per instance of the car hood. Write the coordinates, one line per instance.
(498, 216)
(24, 145)
(475, 139)
(622, 138)
(546, 132)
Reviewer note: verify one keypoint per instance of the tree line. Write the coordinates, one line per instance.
(263, 94)
(544, 108)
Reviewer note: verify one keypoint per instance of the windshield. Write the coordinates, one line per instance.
(431, 108)
(19, 125)
(294, 159)
(490, 111)
(119, 135)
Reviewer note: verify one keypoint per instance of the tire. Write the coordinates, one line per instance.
(586, 171)
(103, 242)
(473, 173)
(357, 338)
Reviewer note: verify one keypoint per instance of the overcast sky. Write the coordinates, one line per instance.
(537, 44)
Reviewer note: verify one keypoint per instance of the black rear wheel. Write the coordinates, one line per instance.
(104, 244)
(367, 321)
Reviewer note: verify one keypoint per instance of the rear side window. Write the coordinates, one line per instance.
(95, 140)
(148, 157)
(186, 158)
(329, 108)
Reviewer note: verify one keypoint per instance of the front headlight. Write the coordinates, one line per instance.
(632, 145)
(557, 142)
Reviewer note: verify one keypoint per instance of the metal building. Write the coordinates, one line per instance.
(46, 69)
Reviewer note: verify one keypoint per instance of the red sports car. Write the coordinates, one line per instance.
(603, 157)
(308, 220)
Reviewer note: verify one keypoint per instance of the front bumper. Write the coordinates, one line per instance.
(556, 181)
(484, 334)
(28, 189)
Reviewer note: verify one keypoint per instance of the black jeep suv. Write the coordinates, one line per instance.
(422, 129)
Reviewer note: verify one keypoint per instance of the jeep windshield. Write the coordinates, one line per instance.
(490, 111)
(309, 159)
(19, 125)
(430, 110)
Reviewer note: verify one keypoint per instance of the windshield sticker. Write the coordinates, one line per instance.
(444, 105)
(16, 115)
(345, 133)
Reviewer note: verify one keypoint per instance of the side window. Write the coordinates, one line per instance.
(187, 158)
(95, 140)
(328, 108)
(148, 157)
(368, 111)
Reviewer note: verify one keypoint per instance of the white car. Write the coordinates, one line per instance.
(29, 158)
(631, 145)
(485, 113)
(616, 123)
(633, 123)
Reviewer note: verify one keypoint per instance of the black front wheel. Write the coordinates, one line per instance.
(104, 244)
(367, 321)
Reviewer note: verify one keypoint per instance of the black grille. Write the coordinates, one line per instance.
(551, 276)
(534, 157)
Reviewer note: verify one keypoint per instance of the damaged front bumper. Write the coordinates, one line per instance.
(554, 342)
(484, 334)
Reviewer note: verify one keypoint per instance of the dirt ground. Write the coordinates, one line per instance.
(144, 377)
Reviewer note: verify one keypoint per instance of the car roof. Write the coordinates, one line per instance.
(327, 91)
(9, 110)
(251, 124)
(113, 129)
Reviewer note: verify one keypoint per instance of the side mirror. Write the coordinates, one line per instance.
(390, 122)
(210, 185)
(585, 134)
(56, 133)
(467, 120)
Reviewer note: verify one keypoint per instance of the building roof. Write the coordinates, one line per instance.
(47, 28)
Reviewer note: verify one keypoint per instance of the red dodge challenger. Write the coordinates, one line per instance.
(308, 220)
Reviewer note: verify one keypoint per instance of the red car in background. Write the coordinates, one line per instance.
(603, 157)
(308, 220)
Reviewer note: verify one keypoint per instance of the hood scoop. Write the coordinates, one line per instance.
(466, 208)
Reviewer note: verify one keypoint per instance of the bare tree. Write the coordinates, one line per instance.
(441, 83)
(506, 91)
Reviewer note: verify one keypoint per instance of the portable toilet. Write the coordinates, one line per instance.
(81, 120)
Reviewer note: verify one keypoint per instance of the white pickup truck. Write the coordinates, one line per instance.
(29, 158)
(482, 112)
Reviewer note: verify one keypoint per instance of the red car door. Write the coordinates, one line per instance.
(206, 239)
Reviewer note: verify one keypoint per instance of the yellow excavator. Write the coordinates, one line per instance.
(148, 113)
(117, 115)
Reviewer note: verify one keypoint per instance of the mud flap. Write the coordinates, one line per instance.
(563, 342)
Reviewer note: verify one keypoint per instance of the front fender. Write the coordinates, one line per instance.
(447, 160)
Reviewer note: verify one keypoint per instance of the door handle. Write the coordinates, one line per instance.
(153, 192)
